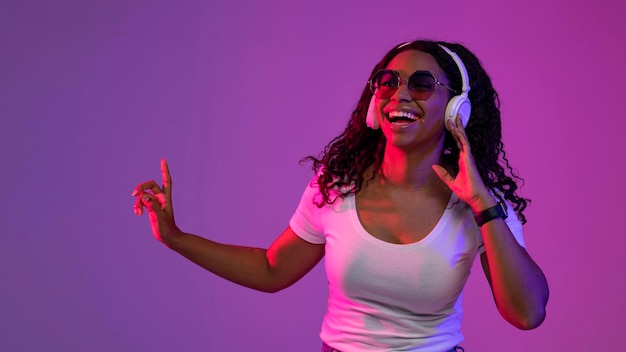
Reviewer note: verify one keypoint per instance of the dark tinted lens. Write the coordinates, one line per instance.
(422, 85)
(384, 84)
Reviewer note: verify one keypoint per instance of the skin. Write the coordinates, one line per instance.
(405, 199)
(269, 270)
(410, 182)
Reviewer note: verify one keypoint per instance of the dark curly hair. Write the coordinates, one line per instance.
(342, 164)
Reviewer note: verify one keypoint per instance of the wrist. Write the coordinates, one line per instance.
(173, 239)
(496, 212)
(482, 202)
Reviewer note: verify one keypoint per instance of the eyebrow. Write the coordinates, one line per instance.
(415, 72)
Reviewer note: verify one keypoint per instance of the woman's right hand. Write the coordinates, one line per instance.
(158, 202)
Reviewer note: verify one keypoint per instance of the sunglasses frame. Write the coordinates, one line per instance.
(406, 81)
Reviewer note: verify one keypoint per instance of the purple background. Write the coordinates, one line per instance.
(233, 94)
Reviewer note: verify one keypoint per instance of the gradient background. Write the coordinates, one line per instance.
(233, 94)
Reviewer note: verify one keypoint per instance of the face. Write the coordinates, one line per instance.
(409, 122)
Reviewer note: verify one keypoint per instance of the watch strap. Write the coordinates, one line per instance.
(489, 214)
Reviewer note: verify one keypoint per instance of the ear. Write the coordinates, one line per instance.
(371, 120)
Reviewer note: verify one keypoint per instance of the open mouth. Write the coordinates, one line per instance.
(402, 117)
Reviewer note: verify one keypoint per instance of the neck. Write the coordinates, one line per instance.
(410, 169)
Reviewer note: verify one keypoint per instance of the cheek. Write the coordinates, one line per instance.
(435, 114)
(437, 108)
(380, 105)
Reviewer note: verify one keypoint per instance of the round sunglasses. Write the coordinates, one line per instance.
(421, 84)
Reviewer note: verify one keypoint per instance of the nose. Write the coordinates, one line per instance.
(402, 93)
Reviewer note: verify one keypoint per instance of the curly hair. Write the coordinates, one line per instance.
(342, 164)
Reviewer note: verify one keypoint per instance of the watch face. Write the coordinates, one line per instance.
(497, 211)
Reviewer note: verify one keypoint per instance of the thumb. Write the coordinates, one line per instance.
(443, 174)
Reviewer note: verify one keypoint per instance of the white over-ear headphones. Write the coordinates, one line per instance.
(371, 120)
(458, 104)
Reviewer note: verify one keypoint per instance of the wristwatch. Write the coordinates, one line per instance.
(489, 214)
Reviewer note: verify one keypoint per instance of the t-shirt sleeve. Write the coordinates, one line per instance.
(514, 225)
(306, 221)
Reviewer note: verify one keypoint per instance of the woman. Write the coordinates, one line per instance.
(400, 206)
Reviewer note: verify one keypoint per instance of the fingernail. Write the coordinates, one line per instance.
(134, 192)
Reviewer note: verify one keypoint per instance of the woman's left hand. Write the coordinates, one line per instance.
(467, 184)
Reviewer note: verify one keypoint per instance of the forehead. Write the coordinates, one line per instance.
(409, 61)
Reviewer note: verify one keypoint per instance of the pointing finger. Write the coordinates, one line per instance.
(167, 179)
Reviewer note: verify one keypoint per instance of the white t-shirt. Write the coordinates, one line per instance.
(385, 296)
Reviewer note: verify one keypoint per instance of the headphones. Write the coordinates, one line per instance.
(458, 104)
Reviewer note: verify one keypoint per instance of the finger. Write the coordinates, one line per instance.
(444, 175)
(462, 135)
(139, 205)
(167, 180)
(459, 125)
(150, 185)
(151, 202)
(455, 133)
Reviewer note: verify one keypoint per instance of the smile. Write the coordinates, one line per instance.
(402, 118)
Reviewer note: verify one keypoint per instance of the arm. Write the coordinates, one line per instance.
(519, 287)
(285, 262)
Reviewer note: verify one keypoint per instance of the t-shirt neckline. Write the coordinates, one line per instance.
(354, 215)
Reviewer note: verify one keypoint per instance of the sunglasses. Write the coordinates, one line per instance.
(421, 84)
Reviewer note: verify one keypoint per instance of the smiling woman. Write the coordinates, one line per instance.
(403, 201)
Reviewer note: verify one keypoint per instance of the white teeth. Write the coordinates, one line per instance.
(408, 115)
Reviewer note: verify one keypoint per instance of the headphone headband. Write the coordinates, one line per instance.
(459, 104)
(464, 77)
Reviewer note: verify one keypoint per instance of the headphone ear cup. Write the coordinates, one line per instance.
(459, 104)
(371, 120)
